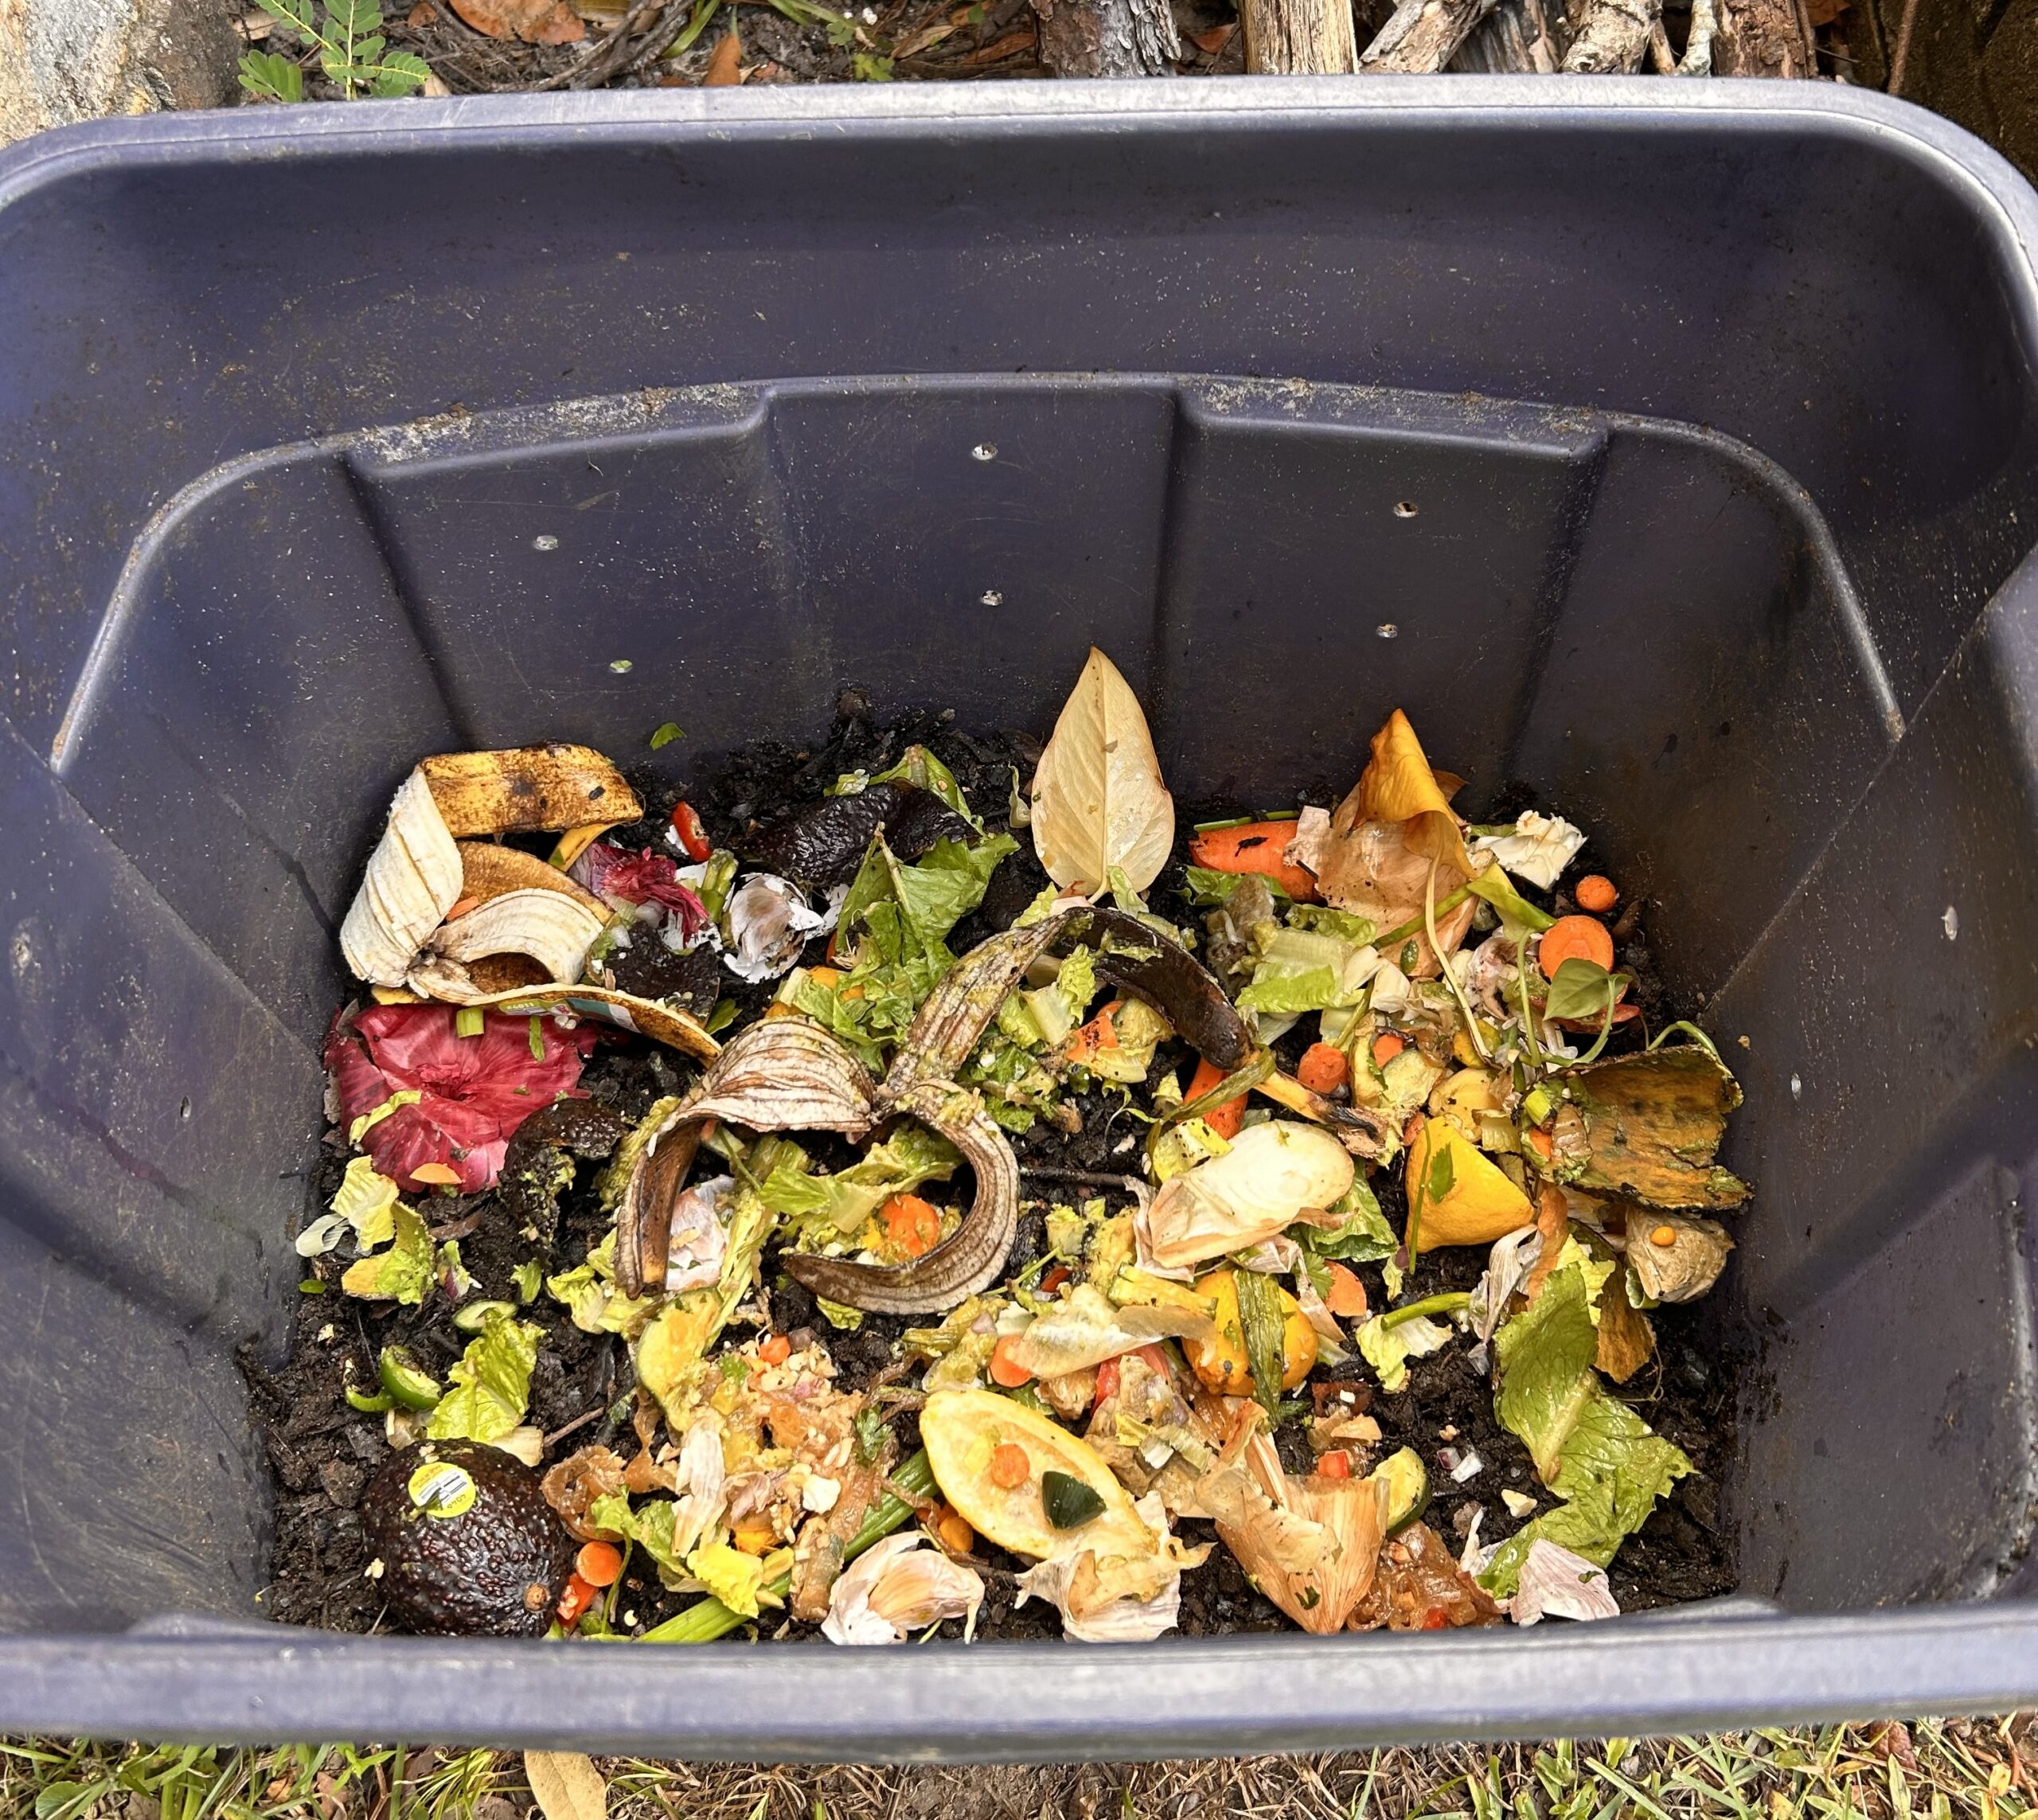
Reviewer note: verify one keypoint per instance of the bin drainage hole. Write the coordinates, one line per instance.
(1404, 508)
(984, 452)
(1389, 630)
(621, 667)
(547, 542)
(992, 597)
(184, 1108)
(1950, 923)
(1796, 1087)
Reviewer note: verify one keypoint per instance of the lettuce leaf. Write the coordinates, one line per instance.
(649, 1525)
(491, 1383)
(1208, 887)
(1364, 1237)
(1591, 1449)
(1283, 995)
(1320, 919)
(404, 1273)
(367, 1200)
(917, 765)
(911, 1155)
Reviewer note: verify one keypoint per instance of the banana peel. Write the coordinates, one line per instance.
(527, 790)
(396, 933)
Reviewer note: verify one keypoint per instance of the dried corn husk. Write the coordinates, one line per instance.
(899, 1585)
(1310, 1545)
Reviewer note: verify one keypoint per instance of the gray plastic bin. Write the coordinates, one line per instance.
(1715, 406)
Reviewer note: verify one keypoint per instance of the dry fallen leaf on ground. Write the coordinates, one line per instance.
(725, 67)
(566, 1785)
(535, 21)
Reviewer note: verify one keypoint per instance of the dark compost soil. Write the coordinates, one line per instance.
(322, 1451)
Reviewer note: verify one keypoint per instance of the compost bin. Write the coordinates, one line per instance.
(1693, 423)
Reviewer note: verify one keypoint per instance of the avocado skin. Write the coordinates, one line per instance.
(473, 1575)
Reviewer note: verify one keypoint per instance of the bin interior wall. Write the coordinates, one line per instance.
(188, 773)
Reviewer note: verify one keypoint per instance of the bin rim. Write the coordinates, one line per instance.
(1682, 1671)
(1612, 104)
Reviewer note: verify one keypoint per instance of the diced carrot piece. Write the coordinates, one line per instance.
(1006, 1370)
(1323, 1067)
(1336, 1464)
(1574, 938)
(1106, 1381)
(1348, 1294)
(1596, 893)
(1010, 1467)
(600, 1564)
(1256, 846)
(775, 1350)
(576, 1601)
(911, 1224)
(954, 1530)
(1225, 1121)
(1386, 1046)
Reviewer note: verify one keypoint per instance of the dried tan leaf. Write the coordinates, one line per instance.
(1098, 800)
(566, 1785)
(1011, 44)
(1384, 836)
(535, 21)
(724, 68)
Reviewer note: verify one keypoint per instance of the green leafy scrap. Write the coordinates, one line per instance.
(490, 1383)
(404, 1273)
(836, 1206)
(1591, 1449)
(1363, 1235)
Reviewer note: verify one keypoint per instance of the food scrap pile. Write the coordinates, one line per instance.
(847, 1220)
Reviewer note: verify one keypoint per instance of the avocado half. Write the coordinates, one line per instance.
(468, 1545)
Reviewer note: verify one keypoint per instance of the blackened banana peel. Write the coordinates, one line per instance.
(787, 1074)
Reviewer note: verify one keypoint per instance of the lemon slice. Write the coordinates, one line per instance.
(961, 1430)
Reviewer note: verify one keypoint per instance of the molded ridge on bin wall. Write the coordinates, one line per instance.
(964, 383)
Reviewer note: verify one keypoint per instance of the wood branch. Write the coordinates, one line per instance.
(1519, 37)
(1761, 38)
(1423, 36)
(1613, 37)
(1299, 37)
(1107, 38)
(1697, 59)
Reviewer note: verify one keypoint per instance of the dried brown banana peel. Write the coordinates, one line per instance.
(396, 932)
